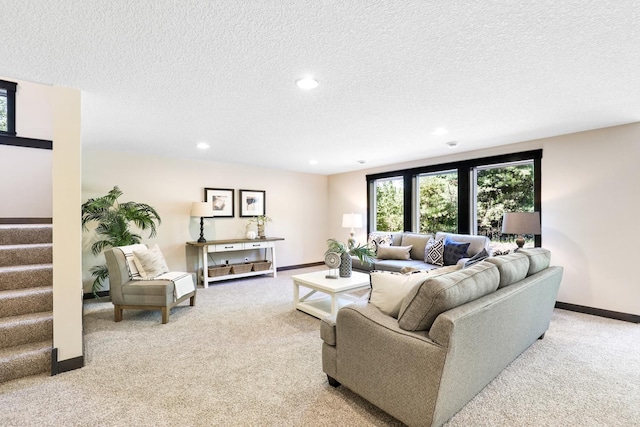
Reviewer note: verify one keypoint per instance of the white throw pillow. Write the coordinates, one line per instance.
(150, 262)
(388, 289)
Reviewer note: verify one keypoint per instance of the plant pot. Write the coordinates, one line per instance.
(345, 265)
(261, 231)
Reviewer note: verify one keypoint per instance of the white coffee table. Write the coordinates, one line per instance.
(328, 294)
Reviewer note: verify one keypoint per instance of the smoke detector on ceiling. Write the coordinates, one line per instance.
(452, 144)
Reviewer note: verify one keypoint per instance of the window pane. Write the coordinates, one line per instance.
(505, 188)
(3, 110)
(389, 212)
(438, 203)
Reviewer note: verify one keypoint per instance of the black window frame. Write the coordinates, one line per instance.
(465, 198)
(10, 88)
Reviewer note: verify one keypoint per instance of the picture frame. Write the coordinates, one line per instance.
(222, 201)
(252, 203)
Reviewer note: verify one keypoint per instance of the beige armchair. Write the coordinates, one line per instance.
(130, 290)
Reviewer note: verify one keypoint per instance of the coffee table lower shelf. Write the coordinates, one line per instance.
(326, 296)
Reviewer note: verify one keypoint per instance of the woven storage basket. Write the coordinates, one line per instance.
(219, 270)
(261, 265)
(241, 268)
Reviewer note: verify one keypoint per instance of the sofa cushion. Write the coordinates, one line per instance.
(512, 268)
(394, 252)
(388, 289)
(436, 295)
(434, 252)
(539, 259)
(418, 241)
(454, 251)
(376, 239)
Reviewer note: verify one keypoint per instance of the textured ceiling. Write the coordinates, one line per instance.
(158, 76)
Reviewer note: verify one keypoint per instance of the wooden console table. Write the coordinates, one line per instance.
(234, 245)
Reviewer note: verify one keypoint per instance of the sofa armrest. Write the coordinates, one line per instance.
(328, 330)
(394, 369)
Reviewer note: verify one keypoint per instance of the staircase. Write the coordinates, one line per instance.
(26, 300)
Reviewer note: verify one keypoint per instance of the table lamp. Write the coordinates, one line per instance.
(201, 209)
(521, 223)
(352, 221)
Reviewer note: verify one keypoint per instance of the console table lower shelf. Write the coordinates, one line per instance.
(266, 247)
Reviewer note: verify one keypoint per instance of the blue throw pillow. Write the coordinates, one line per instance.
(454, 251)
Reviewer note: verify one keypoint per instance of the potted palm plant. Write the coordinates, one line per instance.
(362, 252)
(113, 221)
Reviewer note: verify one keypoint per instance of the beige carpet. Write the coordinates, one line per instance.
(243, 357)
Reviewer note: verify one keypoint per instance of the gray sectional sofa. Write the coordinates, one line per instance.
(418, 243)
(455, 332)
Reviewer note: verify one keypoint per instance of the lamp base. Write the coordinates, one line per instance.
(351, 243)
(202, 239)
(520, 241)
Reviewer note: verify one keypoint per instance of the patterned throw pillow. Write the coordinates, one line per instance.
(476, 258)
(150, 262)
(379, 239)
(434, 252)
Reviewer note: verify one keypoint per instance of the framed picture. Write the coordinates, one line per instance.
(252, 203)
(221, 200)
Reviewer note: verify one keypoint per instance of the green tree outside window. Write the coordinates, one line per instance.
(3, 111)
(500, 190)
(438, 203)
(389, 204)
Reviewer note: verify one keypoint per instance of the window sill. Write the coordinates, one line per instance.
(19, 141)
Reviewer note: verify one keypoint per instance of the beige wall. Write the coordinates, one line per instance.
(25, 173)
(296, 202)
(590, 202)
(33, 110)
(46, 183)
(67, 232)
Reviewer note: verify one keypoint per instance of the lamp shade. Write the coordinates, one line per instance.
(352, 220)
(201, 209)
(521, 223)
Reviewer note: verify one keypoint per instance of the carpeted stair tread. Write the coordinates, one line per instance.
(15, 302)
(16, 234)
(26, 276)
(26, 300)
(35, 253)
(26, 328)
(25, 360)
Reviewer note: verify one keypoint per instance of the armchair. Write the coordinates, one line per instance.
(130, 290)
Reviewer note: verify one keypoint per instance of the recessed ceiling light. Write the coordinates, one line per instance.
(307, 83)
(313, 162)
(202, 145)
(440, 131)
(452, 144)
(362, 162)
